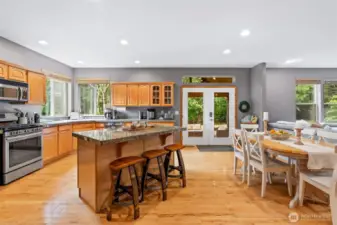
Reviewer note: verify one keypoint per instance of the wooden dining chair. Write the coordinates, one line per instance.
(239, 152)
(258, 159)
(326, 183)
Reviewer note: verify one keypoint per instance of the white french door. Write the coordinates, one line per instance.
(208, 115)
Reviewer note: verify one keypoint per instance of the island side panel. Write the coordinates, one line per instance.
(105, 154)
(86, 172)
(109, 152)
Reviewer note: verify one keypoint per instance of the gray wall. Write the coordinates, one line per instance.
(17, 54)
(258, 90)
(167, 74)
(280, 90)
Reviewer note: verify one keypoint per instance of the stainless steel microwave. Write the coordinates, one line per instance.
(12, 91)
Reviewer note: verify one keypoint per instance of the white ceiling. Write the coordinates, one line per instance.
(175, 33)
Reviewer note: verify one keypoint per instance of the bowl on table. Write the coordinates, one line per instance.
(280, 135)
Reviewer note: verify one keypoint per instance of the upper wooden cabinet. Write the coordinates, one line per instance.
(155, 95)
(17, 74)
(132, 95)
(37, 88)
(119, 94)
(167, 95)
(3, 71)
(144, 95)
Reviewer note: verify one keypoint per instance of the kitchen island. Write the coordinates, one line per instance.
(98, 148)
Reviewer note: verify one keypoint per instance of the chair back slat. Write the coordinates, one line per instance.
(250, 127)
(254, 148)
(237, 140)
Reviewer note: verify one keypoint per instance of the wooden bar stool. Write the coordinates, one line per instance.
(152, 154)
(181, 168)
(117, 190)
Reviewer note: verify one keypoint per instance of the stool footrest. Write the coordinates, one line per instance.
(175, 176)
(154, 176)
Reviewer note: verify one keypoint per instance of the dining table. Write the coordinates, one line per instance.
(309, 156)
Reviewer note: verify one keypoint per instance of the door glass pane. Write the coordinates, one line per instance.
(221, 117)
(195, 114)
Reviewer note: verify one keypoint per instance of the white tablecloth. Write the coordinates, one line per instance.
(319, 156)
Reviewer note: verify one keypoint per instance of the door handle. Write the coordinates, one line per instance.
(210, 114)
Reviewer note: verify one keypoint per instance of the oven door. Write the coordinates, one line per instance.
(22, 150)
(9, 92)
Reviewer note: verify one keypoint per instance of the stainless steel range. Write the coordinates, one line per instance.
(21, 150)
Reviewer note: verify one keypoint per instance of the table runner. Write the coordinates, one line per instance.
(319, 156)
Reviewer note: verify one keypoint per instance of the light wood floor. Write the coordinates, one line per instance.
(212, 196)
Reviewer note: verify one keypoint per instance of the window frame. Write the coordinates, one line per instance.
(88, 82)
(315, 99)
(323, 103)
(67, 98)
(319, 99)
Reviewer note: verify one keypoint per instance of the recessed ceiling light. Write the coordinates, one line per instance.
(124, 42)
(137, 61)
(227, 51)
(43, 42)
(292, 61)
(80, 62)
(245, 33)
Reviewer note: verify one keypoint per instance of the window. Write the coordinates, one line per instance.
(209, 79)
(306, 102)
(58, 98)
(330, 101)
(94, 98)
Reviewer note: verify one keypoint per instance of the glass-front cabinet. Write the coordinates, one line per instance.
(156, 94)
(167, 95)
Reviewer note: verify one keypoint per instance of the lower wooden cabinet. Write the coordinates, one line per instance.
(65, 139)
(50, 143)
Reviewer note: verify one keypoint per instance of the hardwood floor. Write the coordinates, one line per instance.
(212, 196)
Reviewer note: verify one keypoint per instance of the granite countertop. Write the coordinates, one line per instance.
(65, 122)
(109, 135)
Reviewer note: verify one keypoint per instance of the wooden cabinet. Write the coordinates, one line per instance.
(144, 95)
(119, 94)
(50, 143)
(167, 95)
(99, 125)
(132, 95)
(3, 71)
(155, 95)
(37, 88)
(17, 74)
(65, 144)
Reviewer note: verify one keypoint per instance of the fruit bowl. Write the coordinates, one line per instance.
(280, 135)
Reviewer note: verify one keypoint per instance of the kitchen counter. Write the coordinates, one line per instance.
(65, 122)
(109, 135)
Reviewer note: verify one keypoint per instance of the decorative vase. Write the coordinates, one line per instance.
(298, 136)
